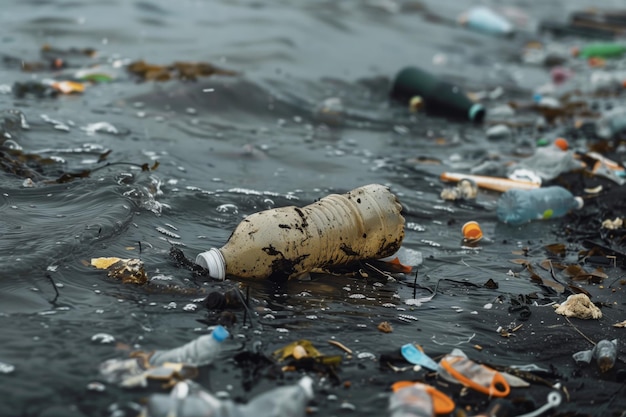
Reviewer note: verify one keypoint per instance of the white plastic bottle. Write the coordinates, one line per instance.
(198, 352)
(285, 242)
(188, 399)
(517, 207)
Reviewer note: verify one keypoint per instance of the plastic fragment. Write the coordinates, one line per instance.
(605, 353)
(456, 367)
(472, 231)
(405, 390)
(483, 19)
(554, 400)
(579, 306)
(490, 183)
(416, 356)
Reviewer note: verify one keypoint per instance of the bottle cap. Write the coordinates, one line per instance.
(561, 143)
(213, 260)
(580, 202)
(220, 333)
(477, 113)
(471, 231)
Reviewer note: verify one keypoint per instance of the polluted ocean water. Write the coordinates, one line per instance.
(137, 135)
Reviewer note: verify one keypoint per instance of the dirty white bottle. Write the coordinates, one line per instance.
(285, 242)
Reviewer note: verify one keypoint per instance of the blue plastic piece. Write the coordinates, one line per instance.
(417, 357)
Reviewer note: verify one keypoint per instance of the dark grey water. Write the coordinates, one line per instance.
(231, 146)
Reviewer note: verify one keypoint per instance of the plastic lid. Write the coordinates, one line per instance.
(580, 202)
(220, 333)
(471, 230)
(213, 260)
(307, 385)
(477, 112)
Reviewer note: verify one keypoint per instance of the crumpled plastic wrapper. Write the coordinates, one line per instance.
(579, 306)
(137, 371)
(129, 271)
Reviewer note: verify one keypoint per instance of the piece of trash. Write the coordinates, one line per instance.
(385, 327)
(548, 162)
(104, 127)
(130, 271)
(620, 324)
(416, 356)
(331, 112)
(499, 132)
(465, 189)
(600, 50)
(490, 183)
(299, 345)
(188, 71)
(458, 368)
(605, 353)
(579, 306)
(517, 207)
(365, 223)
(439, 96)
(472, 231)
(484, 20)
(68, 87)
(554, 400)
(403, 398)
(201, 351)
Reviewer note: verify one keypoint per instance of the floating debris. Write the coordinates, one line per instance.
(130, 271)
(187, 71)
(579, 306)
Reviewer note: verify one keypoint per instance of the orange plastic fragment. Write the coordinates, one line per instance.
(561, 143)
(442, 404)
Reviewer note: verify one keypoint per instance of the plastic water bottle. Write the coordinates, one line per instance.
(198, 352)
(517, 207)
(411, 401)
(188, 399)
(483, 19)
(439, 96)
(287, 401)
(285, 242)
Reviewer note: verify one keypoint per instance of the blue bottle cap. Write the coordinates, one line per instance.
(415, 356)
(220, 333)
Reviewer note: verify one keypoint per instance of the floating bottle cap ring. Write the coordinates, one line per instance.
(442, 404)
(471, 231)
(455, 365)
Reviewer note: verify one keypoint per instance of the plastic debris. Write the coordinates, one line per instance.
(554, 400)
(201, 351)
(130, 271)
(188, 71)
(465, 189)
(579, 306)
(458, 368)
(517, 207)
(490, 183)
(485, 20)
(290, 241)
(68, 87)
(549, 162)
(472, 231)
(441, 403)
(331, 112)
(440, 97)
(411, 401)
(188, 399)
(605, 353)
(600, 50)
(416, 356)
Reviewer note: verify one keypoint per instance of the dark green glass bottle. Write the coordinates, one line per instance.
(440, 97)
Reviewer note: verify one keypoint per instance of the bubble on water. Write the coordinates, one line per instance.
(100, 127)
(269, 317)
(103, 338)
(389, 305)
(190, 307)
(167, 233)
(415, 227)
(312, 317)
(227, 208)
(357, 296)
(347, 406)
(282, 330)
(304, 294)
(170, 306)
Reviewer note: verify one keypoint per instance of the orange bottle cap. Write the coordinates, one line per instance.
(471, 231)
(561, 143)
